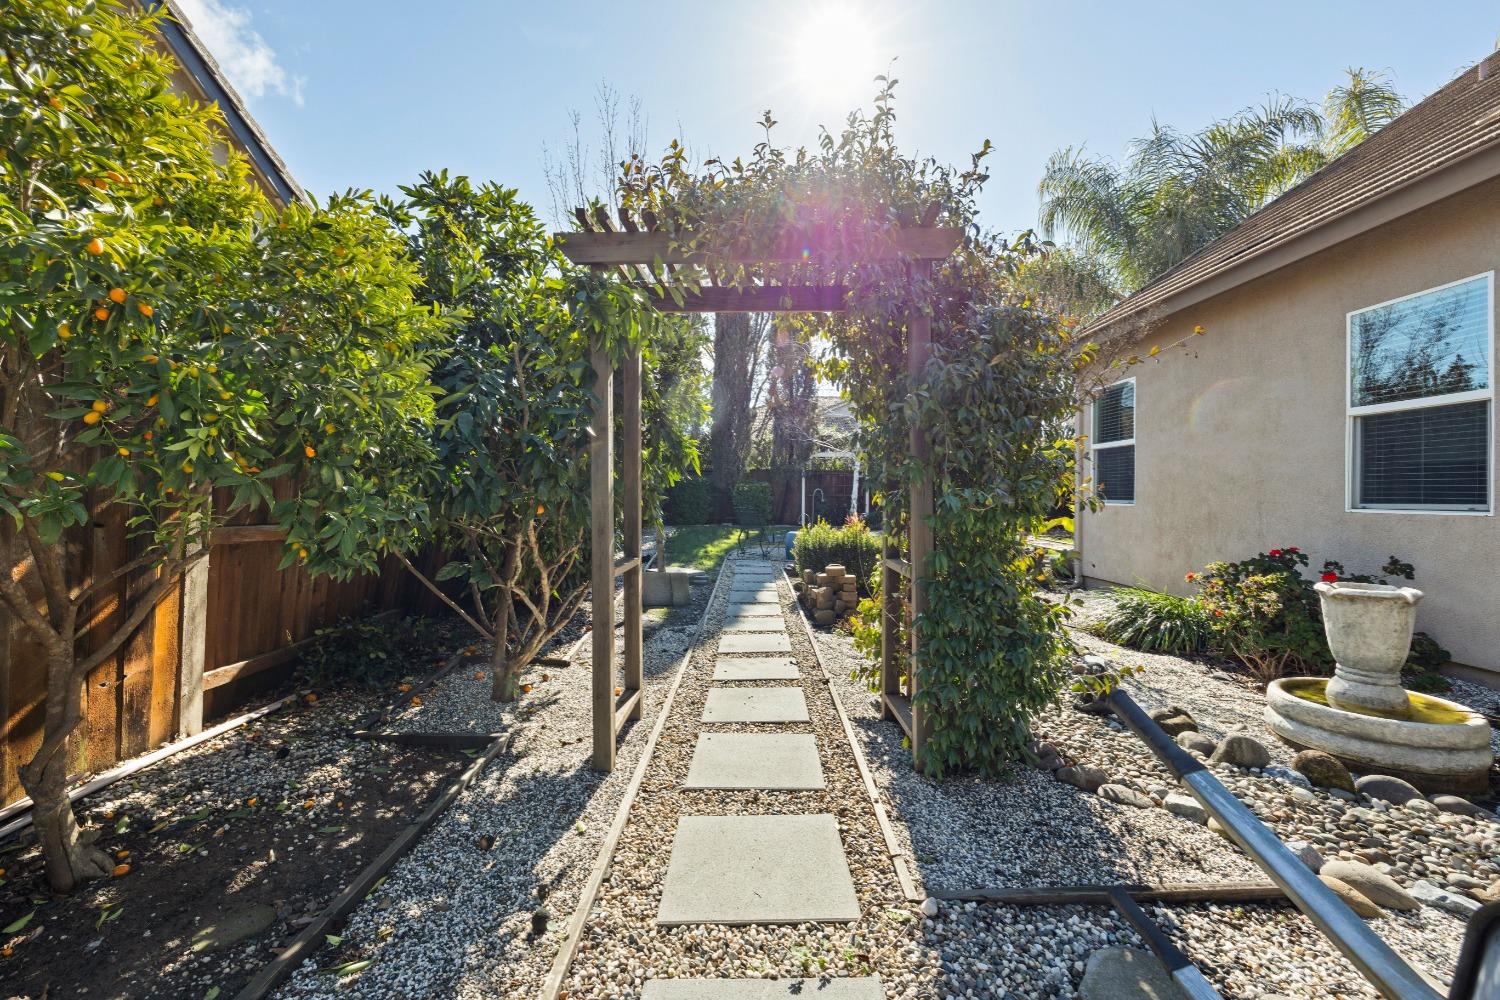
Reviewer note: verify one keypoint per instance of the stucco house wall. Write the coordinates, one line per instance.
(1241, 438)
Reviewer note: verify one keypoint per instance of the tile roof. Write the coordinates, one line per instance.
(1453, 124)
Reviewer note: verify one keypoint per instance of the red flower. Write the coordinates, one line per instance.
(1293, 548)
(1275, 553)
(1330, 578)
(1191, 577)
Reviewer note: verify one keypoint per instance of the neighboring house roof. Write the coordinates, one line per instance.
(199, 64)
(1443, 145)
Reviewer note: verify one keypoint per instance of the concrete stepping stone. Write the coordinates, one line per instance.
(786, 704)
(757, 870)
(754, 623)
(864, 988)
(761, 594)
(756, 642)
(756, 668)
(771, 761)
(753, 609)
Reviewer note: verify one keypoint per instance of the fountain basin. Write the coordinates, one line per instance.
(1437, 745)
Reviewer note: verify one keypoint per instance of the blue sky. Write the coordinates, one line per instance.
(367, 93)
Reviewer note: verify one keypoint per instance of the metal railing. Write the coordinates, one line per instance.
(1375, 959)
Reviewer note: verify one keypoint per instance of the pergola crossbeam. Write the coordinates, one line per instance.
(649, 258)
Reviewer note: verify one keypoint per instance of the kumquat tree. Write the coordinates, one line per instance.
(509, 489)
(166, 333)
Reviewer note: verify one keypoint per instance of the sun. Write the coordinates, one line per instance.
(835, 55)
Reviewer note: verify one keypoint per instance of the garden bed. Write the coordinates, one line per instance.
(1030, 829)
(233, 846)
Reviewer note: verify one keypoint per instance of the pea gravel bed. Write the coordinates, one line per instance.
(456, 916)
(1031, 829)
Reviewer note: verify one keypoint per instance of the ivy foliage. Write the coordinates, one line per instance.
(991, 401)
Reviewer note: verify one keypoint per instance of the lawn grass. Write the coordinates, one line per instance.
(704, 546)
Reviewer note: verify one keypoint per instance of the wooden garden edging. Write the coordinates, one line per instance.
(306, 944)
(888, 832)
(560, 965)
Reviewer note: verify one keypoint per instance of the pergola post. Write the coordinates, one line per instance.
(890, 618)
(602, 556)
(631, 472)
(919, 334)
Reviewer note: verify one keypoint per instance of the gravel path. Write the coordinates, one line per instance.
(968, 833)
(455, 916)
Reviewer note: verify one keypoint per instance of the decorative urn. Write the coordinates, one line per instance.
(1369, 628)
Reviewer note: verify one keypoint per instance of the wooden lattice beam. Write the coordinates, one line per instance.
(610, 248)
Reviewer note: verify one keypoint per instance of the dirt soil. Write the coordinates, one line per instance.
(232, 848)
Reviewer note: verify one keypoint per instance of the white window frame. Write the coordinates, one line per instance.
(1095, 446)
(1353, 413)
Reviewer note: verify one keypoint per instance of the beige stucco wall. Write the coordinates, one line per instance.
(1240, 439)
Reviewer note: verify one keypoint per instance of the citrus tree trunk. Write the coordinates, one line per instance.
(68, 852)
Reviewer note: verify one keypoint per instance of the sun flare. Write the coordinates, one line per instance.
(835, 55)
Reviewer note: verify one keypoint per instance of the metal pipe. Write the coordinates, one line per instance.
(1193, 983)
(1375, 959)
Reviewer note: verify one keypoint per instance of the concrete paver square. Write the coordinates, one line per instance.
(765, 592)
(756, 668)
(757, 870)
(772, 761)
(786, 704)
(863, 988)
(754, 623)
(754, 607)
(755, 642)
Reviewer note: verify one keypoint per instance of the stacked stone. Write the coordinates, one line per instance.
(828, 595)
(845, 588)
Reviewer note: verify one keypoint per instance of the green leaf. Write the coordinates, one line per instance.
(16, 926)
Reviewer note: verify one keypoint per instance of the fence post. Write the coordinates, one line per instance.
(193, 647)
(602, 553)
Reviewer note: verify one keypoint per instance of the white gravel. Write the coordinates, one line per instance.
(454, 917)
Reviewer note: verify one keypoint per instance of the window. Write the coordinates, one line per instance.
(1421, 400)
(1113, 442)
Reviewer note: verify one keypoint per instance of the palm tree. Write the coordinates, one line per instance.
(1179, 191)
(1358, 109)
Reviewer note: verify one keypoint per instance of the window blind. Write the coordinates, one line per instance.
(1114, 414)
(1435, 456)
(1114, 473)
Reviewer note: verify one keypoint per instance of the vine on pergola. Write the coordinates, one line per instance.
(994, 400)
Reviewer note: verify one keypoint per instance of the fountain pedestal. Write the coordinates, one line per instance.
(1362, 715)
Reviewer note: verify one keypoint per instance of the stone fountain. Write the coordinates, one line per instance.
(1363, 715)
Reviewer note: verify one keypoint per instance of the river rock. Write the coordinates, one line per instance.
(1174, 720)
(1125, 796)
(1323, 769)
(1083, 776)
(1126, 974)
(1307, 854)
(1352, 897)
(1458, 804)
(1179, 804)
(1241, 751)
(1383, 786)
(1454, 903)
(1377, 887)
(1196, 741)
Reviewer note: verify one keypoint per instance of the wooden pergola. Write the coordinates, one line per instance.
(795, 277)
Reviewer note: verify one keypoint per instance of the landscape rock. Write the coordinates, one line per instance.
(929, 907)
(1460, 805)
(824, 616)
(1458, 905)
(1324, 770)
(1083, 776)
(1374, 885)
(1174, 720)
(1125, 796)
(1241, 751)
(1388, 789)
(1196, 741)
(1307, 854)
(1287, 775)
(1180, 804)
(1354, 899)
(1126, 974)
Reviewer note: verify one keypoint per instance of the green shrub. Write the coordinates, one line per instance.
(852, 546)
(373, 651)
(690, 502)
(752, 503)
(1158, 623)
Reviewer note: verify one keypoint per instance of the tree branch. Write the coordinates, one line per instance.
(487, 633)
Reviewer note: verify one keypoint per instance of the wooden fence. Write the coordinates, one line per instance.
(207, 648)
